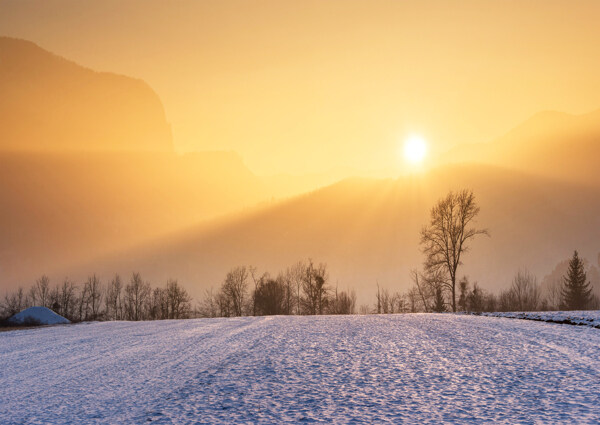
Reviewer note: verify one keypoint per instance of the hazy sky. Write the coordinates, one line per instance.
(303, 86)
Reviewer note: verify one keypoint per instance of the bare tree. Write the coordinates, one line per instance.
(114, 301)
(270, 297)
(93, 289)
(158, 304)
(524, 294)
(385, 301)
(178, 301)
(40, 292)
(294, 276)
(68, 299)
(83, 303)
(415, 275)
(525, 291)
(402, 303)
(344, 302)
(364, 309)
(136, 294)
(54, 301)
(235, 289)
(224, 304)
(314, 288)
(413, 297)
(288, 282)
(444, 241)
(14, 303)
(491, 303)
(208, 306)
(553, 289)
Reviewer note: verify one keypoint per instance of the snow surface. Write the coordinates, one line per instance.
(580, 318)
(421, 368)
(41, 315)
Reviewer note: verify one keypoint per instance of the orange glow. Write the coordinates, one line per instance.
(305, 89)
(180, 139)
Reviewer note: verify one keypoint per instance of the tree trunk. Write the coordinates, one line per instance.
(454, 294)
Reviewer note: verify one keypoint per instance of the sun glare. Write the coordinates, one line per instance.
(415, 149)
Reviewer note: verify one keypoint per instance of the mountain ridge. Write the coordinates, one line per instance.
(367, 230)
(50, 103)
(549, 143)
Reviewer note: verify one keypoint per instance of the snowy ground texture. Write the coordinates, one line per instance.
(422, 368)
(579, 318)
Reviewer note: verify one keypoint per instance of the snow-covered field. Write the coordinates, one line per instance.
(422, 368)
(581, 318)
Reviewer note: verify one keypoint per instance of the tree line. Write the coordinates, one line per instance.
(301, 289)
(304, 288)
(93, 300)
(523, 294)
(444, 242)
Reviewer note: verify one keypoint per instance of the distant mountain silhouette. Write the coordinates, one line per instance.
(368, 232)
(48, 103)
(552, 144)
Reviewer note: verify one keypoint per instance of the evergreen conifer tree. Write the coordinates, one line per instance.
(576, 291)
(439, 305)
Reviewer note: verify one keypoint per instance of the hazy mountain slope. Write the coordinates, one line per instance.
(50, 103)
(553, 144)
(87, 166)
(69, 207)
(368, 231)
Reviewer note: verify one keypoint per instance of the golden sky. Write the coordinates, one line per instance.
(306, 86)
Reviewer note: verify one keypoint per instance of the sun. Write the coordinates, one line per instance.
(415, 149)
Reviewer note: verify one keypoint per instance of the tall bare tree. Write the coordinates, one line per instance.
(288, 283)
(40, 292)
(314, 288)
(413, 297)
(235, 289)
(420, 284)
(114, 302)
(270, 297)
(14, 303)
(295, 274)
(208, 305)
(525, 291)
(136, 295)
(445, 240)
(343, 302)
(93, 289)
(68, 299)
(178, 301)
